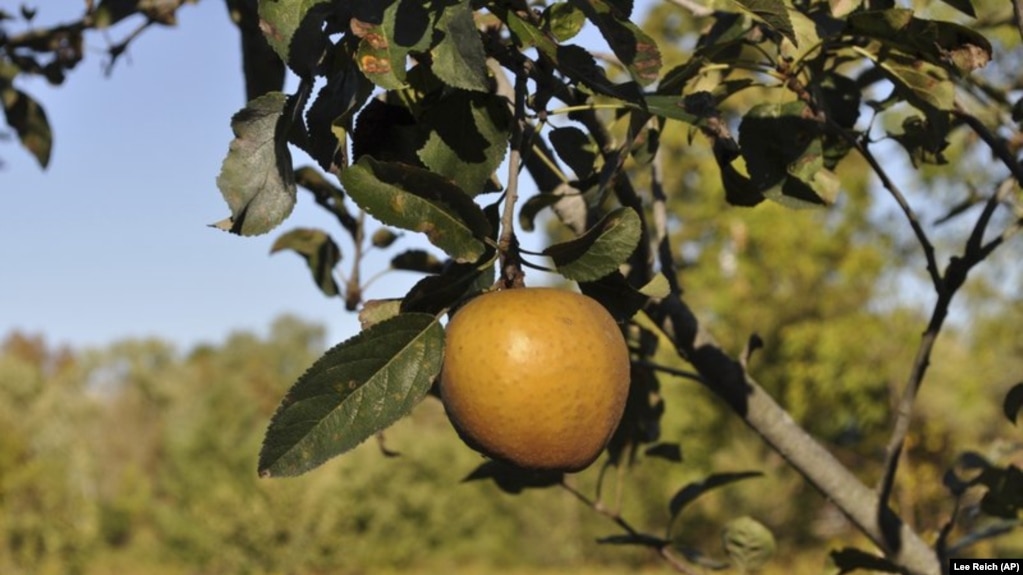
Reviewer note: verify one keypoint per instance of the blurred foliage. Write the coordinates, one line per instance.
(138, 458)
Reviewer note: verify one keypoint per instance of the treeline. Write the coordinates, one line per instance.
(138, 458)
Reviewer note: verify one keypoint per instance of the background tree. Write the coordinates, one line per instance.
(791, 103)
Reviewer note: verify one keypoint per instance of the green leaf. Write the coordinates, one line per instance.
(600, 250)
(459, 59)
(418, 200)
(784, 155)
(28, 119)
(467, 138)
(633, 47)
(320, 252)
(964, 6)
(281, 20)
(690, 492)
(417, 261)
(1013, 402)
(935, 41)
(770, 12)
(748, 543)
(673, 107)
(404, 27)
(563, 20)
(355, 390)
(257, 179)
(925, 85)
(434, 294)
(574, 61)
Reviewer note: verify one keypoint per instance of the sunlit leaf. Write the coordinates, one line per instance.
(563, 20)
(356, 389)
(601, 249)
(257, 179)
(418, 200)
(318, 250)
(934, 41)
(467, 138)
(923, 84)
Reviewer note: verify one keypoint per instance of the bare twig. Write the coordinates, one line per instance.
(996, 144)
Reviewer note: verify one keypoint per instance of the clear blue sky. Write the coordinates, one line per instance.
(112, 241)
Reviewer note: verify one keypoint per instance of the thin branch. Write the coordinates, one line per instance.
(996, 144)
(900, 199)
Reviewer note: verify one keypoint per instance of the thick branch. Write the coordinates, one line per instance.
(726, 378)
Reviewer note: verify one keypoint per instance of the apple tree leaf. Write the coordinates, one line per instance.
(600, 250)
(318, 250)
(28, 119)
(355, 390)
(418, 200)
(458, 58)
(257, 179)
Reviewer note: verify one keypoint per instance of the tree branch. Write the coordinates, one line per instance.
(726, 378)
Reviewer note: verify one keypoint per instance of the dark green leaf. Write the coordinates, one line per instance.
(436, 293)
(417, 261)
(576, 149)
(459, 59)
(633, 47)
(620, 299)
(851, 559)
(331, 113)
(690, 492)
(601, 249)
(320, 252)
(383, 238)
(934, 41)
(1013, 402)
(418, 200)
(667, 451)
(28, 119)
(466, 138)
(773, 13)
(925, 139)
(673, 107)
(514, 480)
(1004, 497)
(355, 390)
(388, 132)
(256, 178)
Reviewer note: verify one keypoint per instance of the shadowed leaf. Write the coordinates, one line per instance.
(514, 480)
(773, 13)
(459, 59)
(636, 50)
(356, 389)
(850, 559)
(692, 491)
(28, 119)
(1013, 402)
(320, 252)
